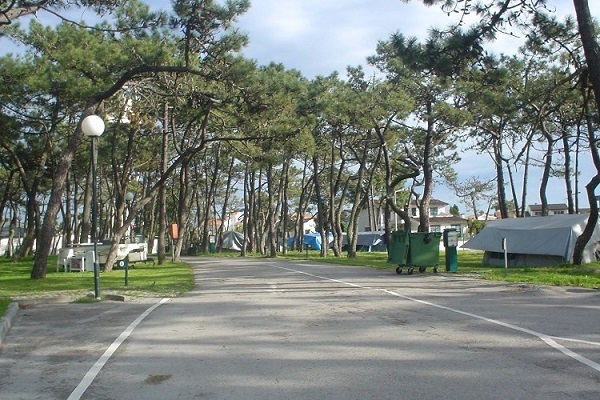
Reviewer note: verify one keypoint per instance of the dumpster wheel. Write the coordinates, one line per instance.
(422, 269)
(399, 269)
(435, 269)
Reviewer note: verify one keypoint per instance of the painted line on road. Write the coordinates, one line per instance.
(91, 374)
(549, 340)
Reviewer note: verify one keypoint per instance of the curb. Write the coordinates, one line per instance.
(7, 320)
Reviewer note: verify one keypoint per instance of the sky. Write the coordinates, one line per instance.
(318, 37)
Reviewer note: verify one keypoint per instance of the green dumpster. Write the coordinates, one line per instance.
(424, 250)
(398, 248)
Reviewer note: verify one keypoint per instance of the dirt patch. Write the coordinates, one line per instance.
(157, 379)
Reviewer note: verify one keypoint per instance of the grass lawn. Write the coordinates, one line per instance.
(4, 302)
(172, 279)
(469, 262)
(167, 280)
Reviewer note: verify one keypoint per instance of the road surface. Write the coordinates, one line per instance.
(275, 329)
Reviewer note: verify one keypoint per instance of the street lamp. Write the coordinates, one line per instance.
(93, 126)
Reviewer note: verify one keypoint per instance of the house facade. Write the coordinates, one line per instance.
(535, 210)
(234, 220)
(439, 218)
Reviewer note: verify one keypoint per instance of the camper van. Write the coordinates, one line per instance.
(80, 257)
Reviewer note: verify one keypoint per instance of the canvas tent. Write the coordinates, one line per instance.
(535, 241)
(313, 240)
(368, 241)
(232, 240)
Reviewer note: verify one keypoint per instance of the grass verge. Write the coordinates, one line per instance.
(167, 280)
(470, 262)
(4, 303)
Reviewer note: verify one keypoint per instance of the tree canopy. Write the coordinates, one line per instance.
(198, 133)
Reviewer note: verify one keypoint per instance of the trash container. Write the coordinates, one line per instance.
(398, 248)
(451, 243)
(212, 239)
(424, 250)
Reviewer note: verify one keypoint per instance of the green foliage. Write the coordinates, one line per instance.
(180, 77)
(475, 226)
(454, 210)
(4, 303)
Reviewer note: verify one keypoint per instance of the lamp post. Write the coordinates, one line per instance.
(93, 126)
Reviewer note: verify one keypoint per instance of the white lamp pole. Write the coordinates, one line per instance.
(93, 126)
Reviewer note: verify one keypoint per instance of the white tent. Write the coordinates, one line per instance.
(535, 241)
(368, 241)
(232, 240)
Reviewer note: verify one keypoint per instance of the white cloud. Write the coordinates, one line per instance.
(319, 37)
(280, 21)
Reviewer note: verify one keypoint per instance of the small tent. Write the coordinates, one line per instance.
(232, 240)
(312, 240)
(368, 241)
(535, 241)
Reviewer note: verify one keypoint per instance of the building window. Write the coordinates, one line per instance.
(458, 228)
(414, 211)
(433, 211)
(435, 228)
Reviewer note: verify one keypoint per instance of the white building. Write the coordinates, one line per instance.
(535, 210)
(439, 218)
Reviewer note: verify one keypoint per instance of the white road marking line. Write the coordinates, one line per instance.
(91, 374)
(549, 340)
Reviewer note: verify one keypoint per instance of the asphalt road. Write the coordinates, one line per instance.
(272, 329)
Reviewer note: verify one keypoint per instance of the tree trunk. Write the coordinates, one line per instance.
(162, 193)
(568, 174)
(284, 201)
(592, 55)
(362, 197)
(32, 226)
(46, 236)
(247, 210)
(321, 220)
(546, 173)
(591, 47)
(225, 208)
(183, 206)
(498, 160)
(427, 173)
(271, 214)
(11, 234)
(68, 215)
(592, 221)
